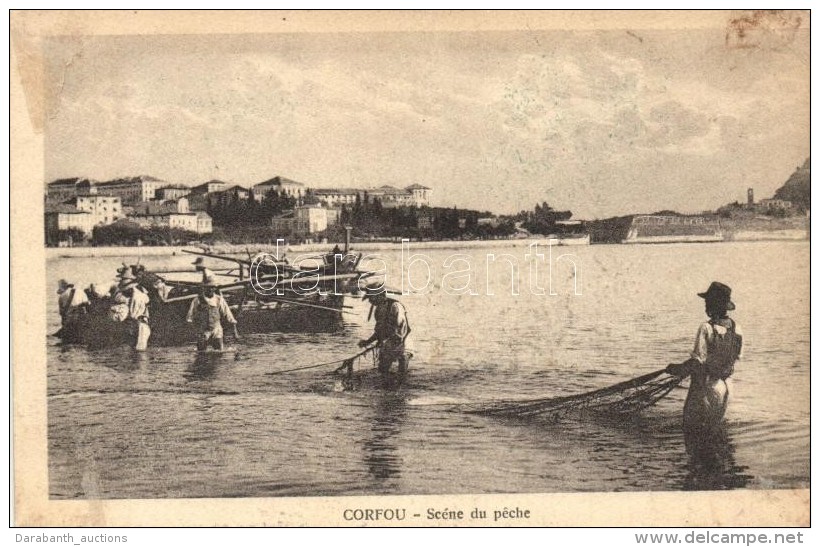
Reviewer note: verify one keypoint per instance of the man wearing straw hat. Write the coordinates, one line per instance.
(391, 329)
(137, 318)
(71, 302)
(718, 345)
(208, 310)
(199, 264)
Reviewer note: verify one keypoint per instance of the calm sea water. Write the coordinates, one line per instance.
(165, 425)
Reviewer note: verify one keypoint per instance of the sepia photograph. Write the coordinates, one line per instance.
(393, 268)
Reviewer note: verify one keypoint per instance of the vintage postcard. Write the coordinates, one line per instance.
(410, 268)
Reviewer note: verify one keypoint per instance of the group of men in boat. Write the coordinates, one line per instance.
(127, 302)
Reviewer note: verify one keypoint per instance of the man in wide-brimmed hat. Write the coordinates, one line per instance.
(136, 302)
(71, 302)
(718, 345)
(207, 311)
(199, 265)
(391, 330)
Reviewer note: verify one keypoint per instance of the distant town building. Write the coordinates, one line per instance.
(333, 197)
(750, 197)
(775, 204)
(488, 221)
(132, 189)
(390, 196)
(159, 207)
(415, 195)
(420, 194)
(82, 213)
(281, 185)
(104, 209)
(60, 218)
(172, 192)
(61, 190)
(209, 187)
(305, 220)
(198, 222)
(673, 228)
(204, 223)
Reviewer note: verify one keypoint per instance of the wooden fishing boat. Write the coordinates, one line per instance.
(283, 298)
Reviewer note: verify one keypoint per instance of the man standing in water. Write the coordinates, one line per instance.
(137, 317)
(718, 345)
(208, 310)
(391, 329)
(71, 302)
(199, 265)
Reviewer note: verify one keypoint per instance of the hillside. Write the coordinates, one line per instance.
(797, 188)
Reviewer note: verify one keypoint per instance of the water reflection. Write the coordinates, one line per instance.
(381, 446)
(712, 464)
(121, 359)
(203, 367)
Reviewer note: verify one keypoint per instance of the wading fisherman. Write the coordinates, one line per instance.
(334, 255)
(207, 311)
(71, 302)
(391, 329)
(137, 317)
(718, 344)
(199, 264)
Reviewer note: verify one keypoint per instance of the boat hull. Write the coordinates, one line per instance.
(169, 326)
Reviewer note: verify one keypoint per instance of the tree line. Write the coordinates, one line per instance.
(370, 218)
(233, 210)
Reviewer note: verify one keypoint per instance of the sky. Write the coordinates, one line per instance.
(601, 123)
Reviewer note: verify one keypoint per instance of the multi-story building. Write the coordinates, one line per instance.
(390, 196)
(313, 219)
(172, 192)
(415, 195)
(204, 223)
(160, 207)
(192, 222)
(103, 208)
(420, 194)
(305, 220)
(335, 197)
(61, 190)
(209, 187)
(132, 189)
(81, 213)
(60, 218)
(282, 185)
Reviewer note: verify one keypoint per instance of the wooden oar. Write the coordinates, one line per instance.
(298, 279)
(230, 258)
(191, 271)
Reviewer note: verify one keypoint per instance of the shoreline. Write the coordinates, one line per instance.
(228, 249)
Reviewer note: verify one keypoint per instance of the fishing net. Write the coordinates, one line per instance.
(627, 397)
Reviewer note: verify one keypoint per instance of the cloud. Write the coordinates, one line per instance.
(596, 122)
